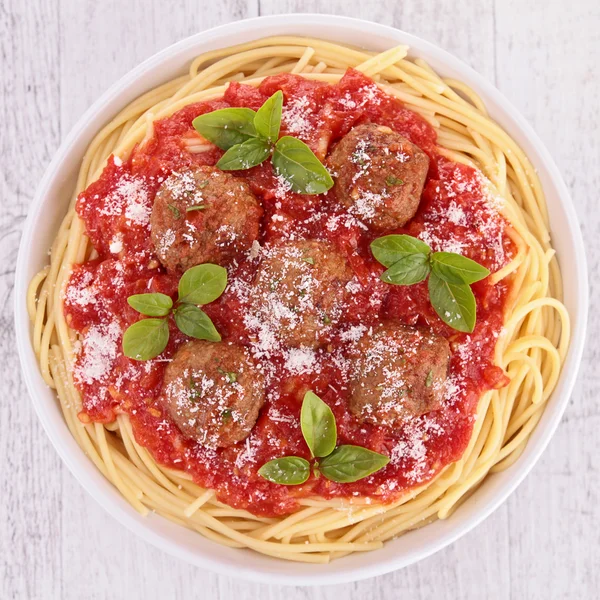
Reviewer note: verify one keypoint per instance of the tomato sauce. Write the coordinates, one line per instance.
(456, 214)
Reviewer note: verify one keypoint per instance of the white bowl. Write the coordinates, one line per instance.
(50, 204)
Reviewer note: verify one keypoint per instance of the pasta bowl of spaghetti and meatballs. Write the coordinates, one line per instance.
(314, 302)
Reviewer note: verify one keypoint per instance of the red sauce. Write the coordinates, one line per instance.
(454, 214)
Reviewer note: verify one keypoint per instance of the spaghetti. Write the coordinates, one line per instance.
(530, 348)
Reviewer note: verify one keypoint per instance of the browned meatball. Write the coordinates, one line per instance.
(203, 215)
(398, 373)
(379, 175)
(213, 392)
(299, 292)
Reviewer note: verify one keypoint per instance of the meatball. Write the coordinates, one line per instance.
(398, 372)
(299, 292)
(213, 392)
(379, 176)
(203, 215)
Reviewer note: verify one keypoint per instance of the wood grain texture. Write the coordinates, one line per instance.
(57, 57)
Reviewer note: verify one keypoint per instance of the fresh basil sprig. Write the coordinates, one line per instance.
(347, 464)
(318, 425)
(295, 161)
(389, 249)
(202, 284)
(455, 268)
(245, 156)
(410, 260)
(151, 305)
(196, 323)
(147, 338)
(289, 470)
(344, 464)
(267, 120)
(453, 302)
(250, 137)
(408, 270)
(226, 127)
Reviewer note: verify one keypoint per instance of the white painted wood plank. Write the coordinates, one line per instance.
(101, 41)
(30, 484)
(55, 542)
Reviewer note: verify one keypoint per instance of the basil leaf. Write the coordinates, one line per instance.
(146, 339)
(268, 117)
(297, 164)
(389, 249)
(454, 303)
(351, 463)
(226, 127)
(290, 470)
(408, 270)
(456, 268)
(318, 425)
(196, 323)
(151, 305)
(202, 284)
(244, 156)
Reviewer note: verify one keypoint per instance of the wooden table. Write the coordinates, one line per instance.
(57, 57)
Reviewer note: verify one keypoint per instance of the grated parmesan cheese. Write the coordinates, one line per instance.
(98, 353)
(296, 116)
(300, 361)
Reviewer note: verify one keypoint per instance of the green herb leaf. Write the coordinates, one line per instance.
(429, 379)
(408, 270)
(146, 339)
(231, 376)
(290, 470)
(195, 392)
(351, 463)
(195, 207)
(151, 305)
(455, 268)
(318, 425)
(202, 284)
(226, 127)
(391, 180)
(309, 259)
(244, 156)
(176, 212)
(297, 164)
(454, 303)
(196, 323)
(389, 249)
(268, 118)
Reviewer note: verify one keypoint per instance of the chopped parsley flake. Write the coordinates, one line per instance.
(229, 375)
(429, 379)
(195, 392)
(176, 212)
(391, 180)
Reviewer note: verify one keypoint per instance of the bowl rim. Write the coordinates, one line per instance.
(123, 512)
